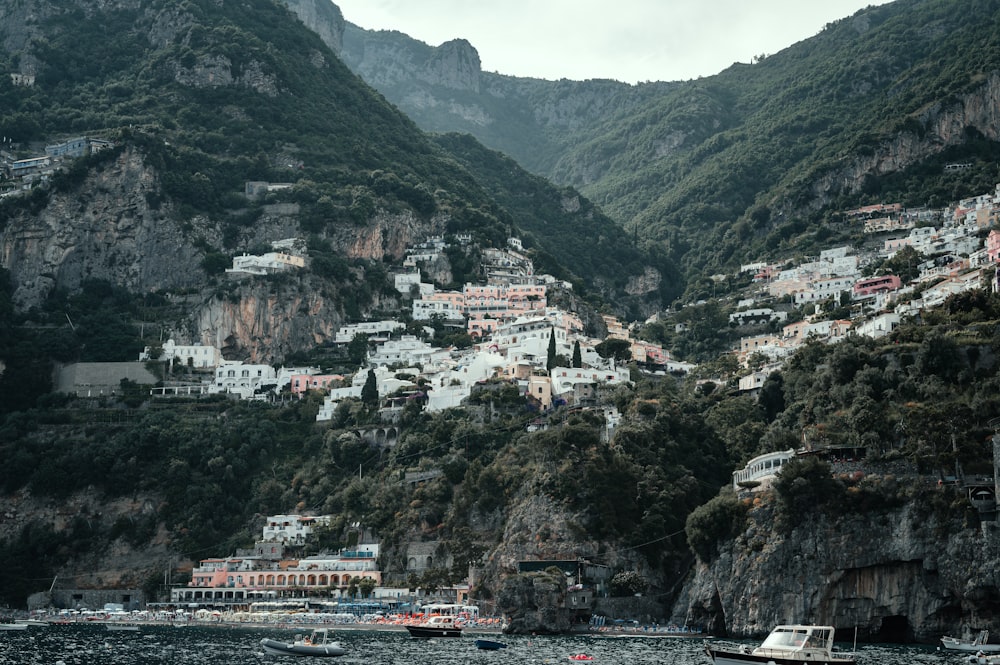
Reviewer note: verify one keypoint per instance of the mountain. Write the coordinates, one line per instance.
(199, 98)
(874, 522)
(753, 163)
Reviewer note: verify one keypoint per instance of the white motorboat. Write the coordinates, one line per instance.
(786, 645)
(317, 644)
(980, 643)
(436, 626)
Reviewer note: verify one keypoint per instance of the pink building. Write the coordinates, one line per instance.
(873, 285)
(300, 383)
(646, 352)
(993, 246)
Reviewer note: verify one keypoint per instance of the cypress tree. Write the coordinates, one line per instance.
(551, 361)
(369, 392)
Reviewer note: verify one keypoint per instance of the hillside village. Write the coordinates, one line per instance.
(956, 258)
(516, 338)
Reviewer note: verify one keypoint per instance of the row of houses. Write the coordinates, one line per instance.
(22, 173)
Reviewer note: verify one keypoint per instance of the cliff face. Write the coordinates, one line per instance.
(322, 17)
(444, 89)
(263, 322)
(106, 230)
(896, 576)
(940, 125)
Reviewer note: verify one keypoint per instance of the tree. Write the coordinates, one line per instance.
(369, 392)
(577, 358)
(552, 350)
(357, 349)
(613, 347)
(366, 585)
(626, 583)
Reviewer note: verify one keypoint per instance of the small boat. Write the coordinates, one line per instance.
(317, 644)
(489, 645)
(437, 626)
(982, 658)
(980, 643)
(581, 657)
(124, 627)
(12, 625)
(33, 622)
(786, 645)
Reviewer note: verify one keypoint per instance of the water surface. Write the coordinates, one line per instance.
(81, 644)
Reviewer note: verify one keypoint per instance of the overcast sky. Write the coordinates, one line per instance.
(626, 40)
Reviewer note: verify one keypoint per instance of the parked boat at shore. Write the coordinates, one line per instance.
(786, 645)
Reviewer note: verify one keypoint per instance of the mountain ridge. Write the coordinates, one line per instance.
(742, 165)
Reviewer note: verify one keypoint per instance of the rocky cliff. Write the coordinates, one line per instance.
(114, 227)
(322, 17)
(443, 88)
(938, 127)
(104, 229)
(896, 575)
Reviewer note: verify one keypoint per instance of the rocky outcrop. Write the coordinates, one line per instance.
(122, 564)
(896, 575)
(940, 125)
(455, 65)
(322, 17)
(262, 322)
(386, 235)
(533, 603)
(105, 229)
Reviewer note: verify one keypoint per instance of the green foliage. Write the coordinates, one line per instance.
(614, 347)
(626, 583)
(369, 391)
(805, 487)
(719, 519)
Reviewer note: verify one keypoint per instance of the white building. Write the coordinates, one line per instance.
(408, 350)
(829, 287)
(565, 379)
(232, 376)
(186, 355)
(447, 304)
(404, 283)
(248, 264)
(879, 326)
(374, 329)
(292, 529)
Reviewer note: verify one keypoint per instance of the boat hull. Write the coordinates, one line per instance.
(722, 656)
(427, 631)
(952, 644)
(277, 648)
(489, 645)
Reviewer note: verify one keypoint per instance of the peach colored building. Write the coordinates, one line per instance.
(321, 572)
(300, 383)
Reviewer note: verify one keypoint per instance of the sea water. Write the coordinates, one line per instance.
(83, 644)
